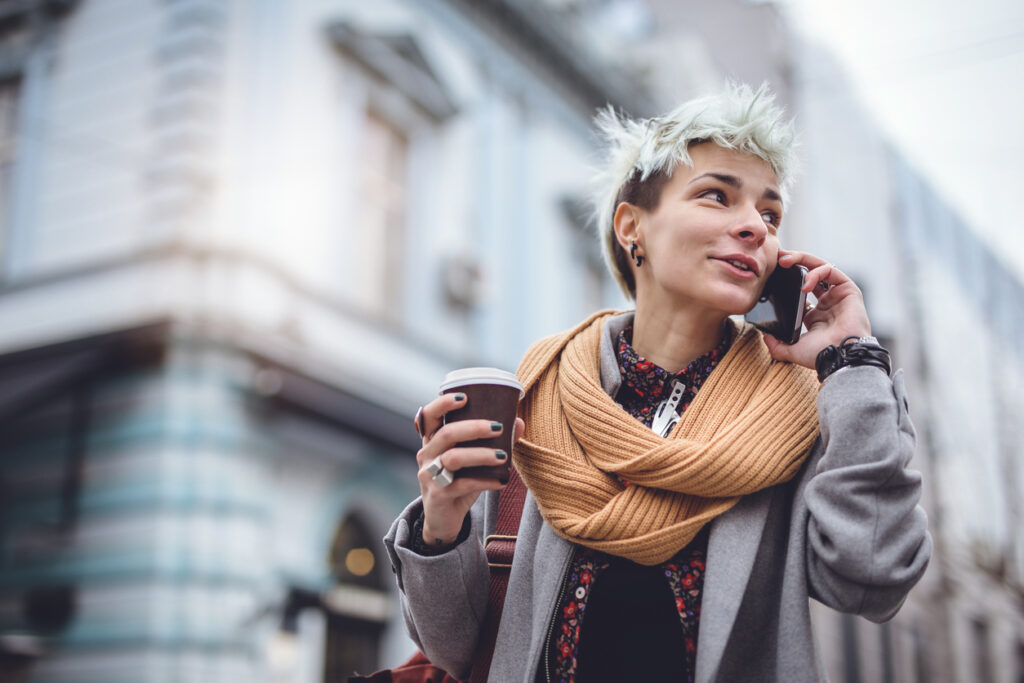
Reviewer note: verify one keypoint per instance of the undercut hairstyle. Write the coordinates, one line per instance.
(642, 154)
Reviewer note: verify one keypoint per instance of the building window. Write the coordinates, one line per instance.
(8, 143)
(396, 97)
(377, 252)
(922, 670)
(358, 607)
(888, 664)
(851, 649)
(982, 652)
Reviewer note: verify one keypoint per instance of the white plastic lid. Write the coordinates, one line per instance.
(458, 378)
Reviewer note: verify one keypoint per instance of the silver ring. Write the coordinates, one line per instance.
(434, 467)
(443, 478)
(824, 284)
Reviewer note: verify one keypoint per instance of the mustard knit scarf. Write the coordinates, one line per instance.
(750, 427)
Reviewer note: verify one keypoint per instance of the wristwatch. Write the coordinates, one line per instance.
(852, 351)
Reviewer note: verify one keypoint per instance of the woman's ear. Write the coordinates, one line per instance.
(627, 224)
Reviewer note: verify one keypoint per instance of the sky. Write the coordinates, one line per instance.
(945, 81)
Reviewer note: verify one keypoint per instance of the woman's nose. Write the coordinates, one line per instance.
(750, 226)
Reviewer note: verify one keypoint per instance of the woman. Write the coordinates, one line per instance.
(691, 484)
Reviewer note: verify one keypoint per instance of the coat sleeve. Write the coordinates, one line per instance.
(867, 537)
(443, 597)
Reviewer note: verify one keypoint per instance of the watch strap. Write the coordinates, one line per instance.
(852, 352)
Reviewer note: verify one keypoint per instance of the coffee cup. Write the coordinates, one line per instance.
(491, 394)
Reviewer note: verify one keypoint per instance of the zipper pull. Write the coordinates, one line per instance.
(667, 416)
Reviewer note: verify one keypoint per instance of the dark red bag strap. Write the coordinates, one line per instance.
(500, 547)
(417, 669)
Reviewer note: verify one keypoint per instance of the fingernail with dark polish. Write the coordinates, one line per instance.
(460, 397)
(500, 455)
(495, 426)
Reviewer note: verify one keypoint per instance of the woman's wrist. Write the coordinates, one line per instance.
(438, 541)
(425, 543)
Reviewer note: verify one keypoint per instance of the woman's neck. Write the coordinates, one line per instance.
(674, 341)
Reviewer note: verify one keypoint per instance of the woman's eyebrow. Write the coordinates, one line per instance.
(734, 181)
(723, 177)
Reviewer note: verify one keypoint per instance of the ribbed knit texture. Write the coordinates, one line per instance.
(750, 427)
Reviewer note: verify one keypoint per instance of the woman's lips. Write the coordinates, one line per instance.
(748, 273)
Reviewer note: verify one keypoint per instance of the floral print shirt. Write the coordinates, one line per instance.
(644, 386)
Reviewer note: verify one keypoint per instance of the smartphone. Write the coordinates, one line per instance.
(780, 309)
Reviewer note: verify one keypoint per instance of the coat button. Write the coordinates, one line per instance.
(580, 592)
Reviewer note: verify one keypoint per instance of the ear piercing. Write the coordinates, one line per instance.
(638, 260)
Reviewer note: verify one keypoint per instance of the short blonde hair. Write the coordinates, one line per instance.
(643, 153)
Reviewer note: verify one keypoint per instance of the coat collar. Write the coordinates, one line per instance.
(610, 377)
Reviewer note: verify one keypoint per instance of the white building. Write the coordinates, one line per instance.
(242, 241)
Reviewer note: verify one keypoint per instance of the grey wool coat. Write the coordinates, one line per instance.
(847, 531)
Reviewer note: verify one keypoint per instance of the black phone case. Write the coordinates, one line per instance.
(780, 309)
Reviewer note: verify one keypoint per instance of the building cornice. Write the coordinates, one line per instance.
(545, 40)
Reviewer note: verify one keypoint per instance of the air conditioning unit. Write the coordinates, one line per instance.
(462, 279)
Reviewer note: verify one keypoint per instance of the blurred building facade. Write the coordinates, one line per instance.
(950, 309)
(242, 241)
(964, 308)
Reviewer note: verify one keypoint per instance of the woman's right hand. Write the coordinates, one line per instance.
(445, 507)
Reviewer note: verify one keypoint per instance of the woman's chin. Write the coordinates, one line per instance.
(739, 306)
(728, 301)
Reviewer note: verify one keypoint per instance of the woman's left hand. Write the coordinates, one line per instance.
(839, 313)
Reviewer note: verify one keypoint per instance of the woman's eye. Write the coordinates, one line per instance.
(771, 218)
(715, 195)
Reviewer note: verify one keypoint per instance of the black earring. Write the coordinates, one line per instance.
(638, 260)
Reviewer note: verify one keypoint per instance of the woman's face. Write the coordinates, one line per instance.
(712, 241)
